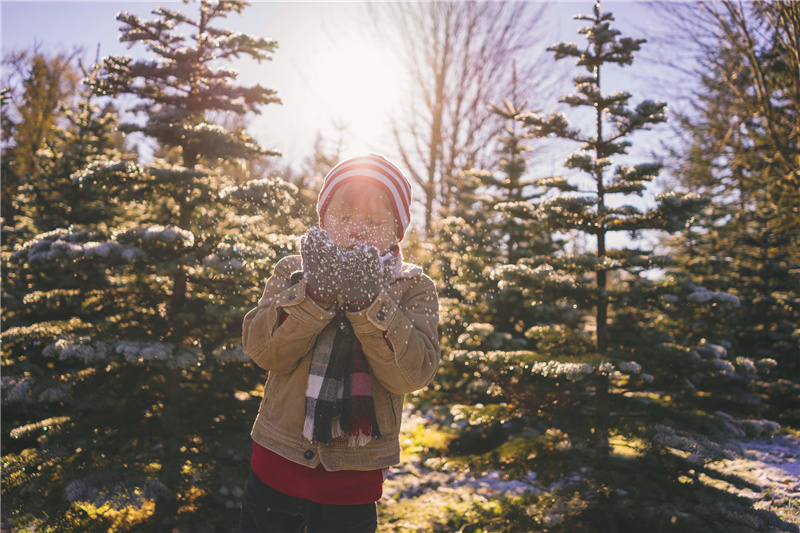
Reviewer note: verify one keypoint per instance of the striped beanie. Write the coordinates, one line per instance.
(379, 171)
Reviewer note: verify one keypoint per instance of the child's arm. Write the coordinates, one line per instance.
(285, 325)
(401, 339)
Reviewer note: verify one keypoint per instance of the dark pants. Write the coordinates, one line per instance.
(266, 510)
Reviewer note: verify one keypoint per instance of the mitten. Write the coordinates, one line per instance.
(322, 265)
(362, 276)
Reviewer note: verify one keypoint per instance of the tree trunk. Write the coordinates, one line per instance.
(602, 413)
(166, 509)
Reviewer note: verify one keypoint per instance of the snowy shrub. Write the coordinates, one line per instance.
(757, 428)
(724, 366)
(701, 295)
(746, 364)
(630, 367)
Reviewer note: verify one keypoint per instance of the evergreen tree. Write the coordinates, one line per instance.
(606, 401)
(35, 90)
(475, 233)
(124, 380)
(747, 241)
(53, 199)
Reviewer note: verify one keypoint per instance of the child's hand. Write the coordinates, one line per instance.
(322, 264)
(361, 280)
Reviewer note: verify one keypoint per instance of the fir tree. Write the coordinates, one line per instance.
(53, 200)
(476, 233)
(747, 241)
(29, 118)
(129, 399)
(607, 400)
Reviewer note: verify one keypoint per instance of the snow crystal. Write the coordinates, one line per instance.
(757, 428)
(231, 354)
(129, 350)
(154, 489)
(714, 350)
(76, 490)
(130, 254)
(154, 351)
(166, 233)
(101, 249)
(480, 328)
(767, 364)
(631, 367)
(725, 366)
(65, 244)
(729, 424)
(572, 371)
(184, 358)
(17, 387)
(55, 394)
(701, 294)
(80, 349)
(695, 459)
(552, 520)
(746, 364)
(606, 368)
(492, 482)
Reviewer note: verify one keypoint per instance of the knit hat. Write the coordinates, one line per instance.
(379, 171)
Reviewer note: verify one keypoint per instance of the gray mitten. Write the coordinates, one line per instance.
(322, 264)
(362, 277)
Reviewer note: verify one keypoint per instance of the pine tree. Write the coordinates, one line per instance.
(607, 402)
(130, 402)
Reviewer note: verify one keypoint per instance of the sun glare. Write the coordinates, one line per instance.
(354, 81)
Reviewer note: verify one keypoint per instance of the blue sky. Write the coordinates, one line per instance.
(313, 39)
(302, 30)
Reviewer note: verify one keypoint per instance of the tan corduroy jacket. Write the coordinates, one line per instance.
(406, 311)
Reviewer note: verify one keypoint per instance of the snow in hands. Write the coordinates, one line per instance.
(356, 275)
(362, 274)
(322, 263)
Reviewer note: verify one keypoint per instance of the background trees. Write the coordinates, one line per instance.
(36, 85)
(738, 133)
(460, 58)
(123, 400)
(607, 389)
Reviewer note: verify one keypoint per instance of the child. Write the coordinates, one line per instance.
(345, 329)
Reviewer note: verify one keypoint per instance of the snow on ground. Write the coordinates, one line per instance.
(772, 465)
(412, 478)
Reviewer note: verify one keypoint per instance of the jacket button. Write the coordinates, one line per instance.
(381, 315)
(309, 454)
(293, 296)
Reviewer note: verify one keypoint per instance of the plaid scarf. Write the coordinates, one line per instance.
(339, 393)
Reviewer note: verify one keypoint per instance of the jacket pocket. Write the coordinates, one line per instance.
(388, 409)
(273, 392)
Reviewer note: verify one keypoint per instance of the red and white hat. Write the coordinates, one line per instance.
(379, 171)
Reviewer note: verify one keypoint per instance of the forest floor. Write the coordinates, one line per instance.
(770, 468)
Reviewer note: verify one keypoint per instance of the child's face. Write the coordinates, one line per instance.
(365, 218)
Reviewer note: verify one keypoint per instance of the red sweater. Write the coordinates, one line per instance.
(343, 487)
